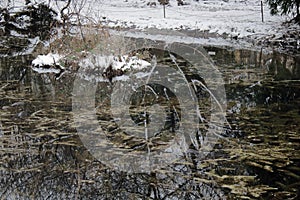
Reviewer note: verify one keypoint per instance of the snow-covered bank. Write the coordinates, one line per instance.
(185, 37)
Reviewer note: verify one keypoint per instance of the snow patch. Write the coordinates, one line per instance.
(47, 64)
(49, 59)
(127, 63)
(117, 62)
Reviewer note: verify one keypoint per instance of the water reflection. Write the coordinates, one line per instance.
(43, 158)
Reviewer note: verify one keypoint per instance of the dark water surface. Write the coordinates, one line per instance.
(42, 157)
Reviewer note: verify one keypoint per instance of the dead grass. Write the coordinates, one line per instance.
(85, 39)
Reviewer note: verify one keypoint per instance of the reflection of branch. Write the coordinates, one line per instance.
(177, 65)
(78, 183)
(213, 96)
(153, 63)
(153, 91)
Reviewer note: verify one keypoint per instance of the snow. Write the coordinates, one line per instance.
(33, 43)
(49, 59)
(92, 67)
(46, 70)
(47, 63)
(240, 18)
(170, 37)
(231, 18)
(125, 63)
(22, 22)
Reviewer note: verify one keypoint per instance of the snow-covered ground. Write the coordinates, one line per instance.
(240, 18)
(207, 21)
(233, 17)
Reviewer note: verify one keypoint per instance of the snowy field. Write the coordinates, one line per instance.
(241, 18)
(234, 18)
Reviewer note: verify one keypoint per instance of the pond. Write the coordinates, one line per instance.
(255, 156)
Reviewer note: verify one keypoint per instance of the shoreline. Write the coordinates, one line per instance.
(266, 43)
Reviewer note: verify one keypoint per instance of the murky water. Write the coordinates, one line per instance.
(257, 157)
